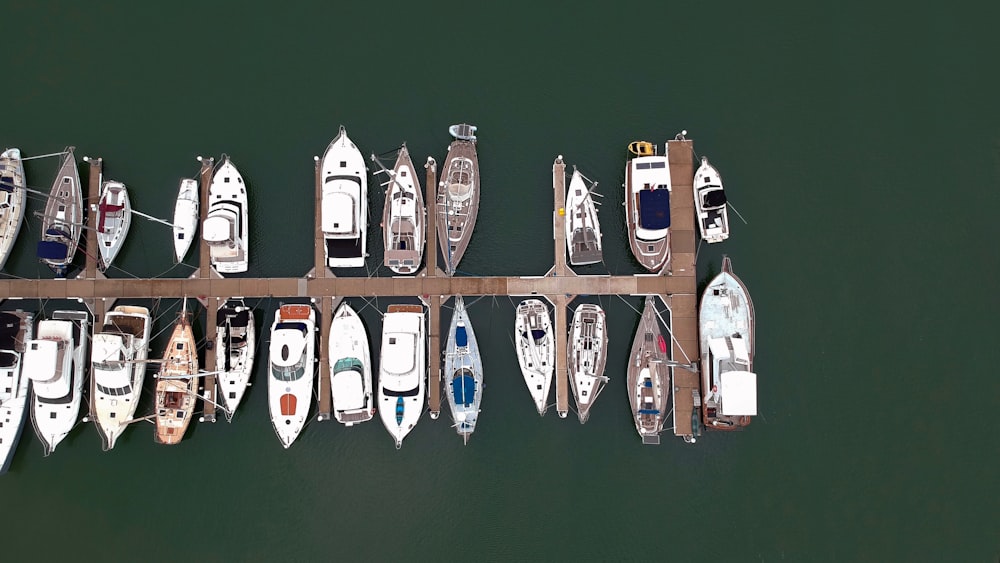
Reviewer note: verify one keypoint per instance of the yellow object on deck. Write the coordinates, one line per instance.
(562, 211)
(641, 148)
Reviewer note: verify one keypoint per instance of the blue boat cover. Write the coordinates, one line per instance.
(7, 184)
(52, 250)
(654, 209)
(461, 339)
(649, 411)
(399, 411)
(537, 334)
(464, 389)
(647, 383)
(56, 233)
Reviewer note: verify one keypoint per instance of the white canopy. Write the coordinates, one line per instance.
(338, 212)
(739, 393)
(217, 229)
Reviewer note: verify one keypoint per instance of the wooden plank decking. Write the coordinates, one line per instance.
(433, 299)
(682, 299)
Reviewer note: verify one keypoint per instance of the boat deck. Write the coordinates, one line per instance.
(677, 285)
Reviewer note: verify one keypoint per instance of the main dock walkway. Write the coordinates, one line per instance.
(676, 286)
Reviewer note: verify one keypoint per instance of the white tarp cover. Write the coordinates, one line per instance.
(217, 229)
(739, 393)
(338, 211)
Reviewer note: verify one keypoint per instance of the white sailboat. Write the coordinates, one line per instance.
(403, 225)
(56, 362)
(402, 370)
(534, 343)
(227, 226)
(710, 203)
(12, 194)
(588, 357)
(118, 370)
(235, 345)
(15, 330)
(350, 368)
(185, 217)
(583, 231)
(463, 372)
(62, 222)
(292, 370)
(114, 217)
(344, 205)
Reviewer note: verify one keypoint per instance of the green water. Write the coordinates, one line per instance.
(859, 141)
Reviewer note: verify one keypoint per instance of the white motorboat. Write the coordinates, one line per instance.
(344, 204)
(114, 216)
(292, 370)
(534, 343)
(185, 217)
(62, 222)
(227, 226)
(458, 196)
(177, 383)
(118, 357)
(583, 231)
(648, 380)
(235, 348)
(15, 331)
(710, 203)
(402, 370)
(12, 197)
(726, 334)
(350, 368)
(56, 362)
(463, 372)
(647, 206)
(588, 346)
(403, 225)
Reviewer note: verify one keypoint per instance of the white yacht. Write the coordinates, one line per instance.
(710, 203)
(344, 205)
(185, 217)
(235, 348)
(292, 370)
(350, 368)
(56, 362)
(402, 370)
(403, 225)
(647, 206)
(588, 346)
(726, 332)
(118, 369)
(583, 231)
(114, 217)
(536, 349)
(227, 226)
(12, 196)
(463, 372)
(15, 330)
(62, 222)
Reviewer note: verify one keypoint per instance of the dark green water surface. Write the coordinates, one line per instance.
(860, 142)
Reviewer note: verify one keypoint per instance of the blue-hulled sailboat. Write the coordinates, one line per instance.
(463, 372)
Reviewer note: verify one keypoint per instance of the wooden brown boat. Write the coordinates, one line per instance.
(177, 383)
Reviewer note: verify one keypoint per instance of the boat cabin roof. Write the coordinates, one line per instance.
(739, 393)
(654, 209)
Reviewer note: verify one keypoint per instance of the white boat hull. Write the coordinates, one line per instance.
(118, 371)
(55, 414)
(710, 205)
(185, 217)
(227, 226)
(402, 370)
(12, 194)
(292, 370)
(350, 368)
(534, 343)
(114, 217)
(583, 230)
(16, 328)
(344, 204)
(235, 353)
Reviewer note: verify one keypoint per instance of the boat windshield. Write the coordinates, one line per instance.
(288, 373)
(115, 391)
(348, 364)
(408, 393)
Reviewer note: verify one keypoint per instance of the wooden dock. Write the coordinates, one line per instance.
(433, 300)
(682, 299)
(324, 397)
(676, 286)
(211, 302)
